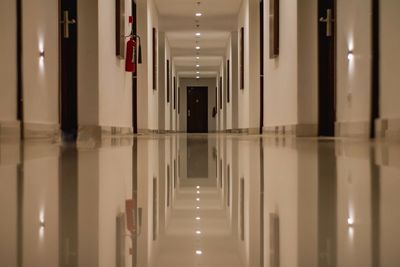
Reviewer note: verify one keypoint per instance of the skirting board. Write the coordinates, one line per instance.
(298, 130)
(388, 128)
(359, 129)
(10, 130)
(42, 131)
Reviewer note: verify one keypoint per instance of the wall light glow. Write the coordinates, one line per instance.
(198, 232)
(197, 218)
(199, 252)
(350, 55)
(198, 47)
(197, 199)
(198, 187)
(198, 14)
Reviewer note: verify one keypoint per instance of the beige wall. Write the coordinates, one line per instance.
(247, 106)
(115, 85)
(206, 82)
(147, 97)
(40, 81)
(280, 85)
(353, 77)
(390, 58)
(8, 64)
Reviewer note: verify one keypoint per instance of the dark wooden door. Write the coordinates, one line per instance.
(326, 77)
(197, 109)
(68, 65)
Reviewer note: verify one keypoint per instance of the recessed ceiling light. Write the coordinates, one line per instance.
(198, 34)
(198, 192)
(197, 65)
(198, 47)
(198, 232)
(197, 199)
(199, 252)
(198, 14)
(197, 208)
(197, 57)
(197, 218)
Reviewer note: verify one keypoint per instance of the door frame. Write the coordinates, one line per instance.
(261, 65)
(375, 79)
(134, 75)
(60, 71)
(20, 89)
(333, 75)
(187, 106)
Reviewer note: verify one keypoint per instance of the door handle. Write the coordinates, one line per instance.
(188, 112)
(329, 20)
(66, 22)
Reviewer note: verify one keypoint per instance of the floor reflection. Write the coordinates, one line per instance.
(200, 200)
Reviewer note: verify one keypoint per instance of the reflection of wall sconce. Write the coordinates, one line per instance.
(350, 55)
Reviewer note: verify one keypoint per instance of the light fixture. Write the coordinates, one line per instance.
(198, 34)
(197, 208)
(198, 14)
(197, 65)
(197, 77)
(198, 187)
(197, 218)
(41, 54)
(198, 192)
(197, 72)
(197, 57)
(197, 47)
(197, 199)
(198, 232)
(350, 55)
(199, 252)
(350, 221)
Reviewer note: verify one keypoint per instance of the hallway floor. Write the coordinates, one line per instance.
(200, 200)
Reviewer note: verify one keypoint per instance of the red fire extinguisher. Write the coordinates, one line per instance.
(130, 61)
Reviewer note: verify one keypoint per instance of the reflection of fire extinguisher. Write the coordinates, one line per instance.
(130, 61)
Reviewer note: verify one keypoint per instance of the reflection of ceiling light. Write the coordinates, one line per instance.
(197, 199)
(198, 232)
(197, 72)
(199, 252)
(198, 14)
(197, 77)
(197, 65)
(197, 57)
(198, 34)
(197, 218)
(198, 192)
(198, 47)
(198, 187)
(197, 208)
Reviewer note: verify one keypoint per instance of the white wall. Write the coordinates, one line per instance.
(8, 64)
(390, 58)
(147, 97)
(206, 82)
(115, 85)
(40, 81)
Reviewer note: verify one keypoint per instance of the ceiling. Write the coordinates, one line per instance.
(178, 21)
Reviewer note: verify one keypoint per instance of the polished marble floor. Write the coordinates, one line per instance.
(201, 201)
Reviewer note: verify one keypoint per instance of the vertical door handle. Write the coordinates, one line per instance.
(66, 22)
(329, 20)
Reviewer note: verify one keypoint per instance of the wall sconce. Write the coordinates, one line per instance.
(41, 54)
(350, 221)
(350, 55)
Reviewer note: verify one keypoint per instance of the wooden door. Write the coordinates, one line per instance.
(197, 109)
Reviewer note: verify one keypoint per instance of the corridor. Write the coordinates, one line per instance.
(200, 200)
(199, 133)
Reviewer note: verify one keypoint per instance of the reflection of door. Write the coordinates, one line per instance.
(197, 106)
(68, 65)
(197, 158)
(326, 46)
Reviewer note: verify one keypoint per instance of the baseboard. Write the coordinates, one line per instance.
(387, 128)
(10, 130)
(91, 135)
(34, 131)
(360, 129)
(297, 130)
